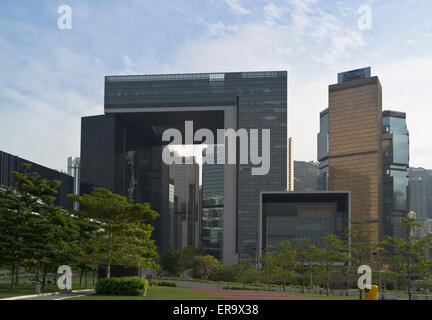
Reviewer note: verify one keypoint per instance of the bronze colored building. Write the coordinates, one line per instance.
(354, 144)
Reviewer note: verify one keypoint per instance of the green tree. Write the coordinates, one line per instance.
(172, 261)
(305, 254)
(244, 271)
(408, 257)
(332, 253)
(287, 262)
(20, 207)
(206, 266)
(123, 237)
(270, 267)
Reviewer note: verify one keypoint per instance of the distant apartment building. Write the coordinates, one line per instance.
(10, 163)
(350, 144)
(396, 157)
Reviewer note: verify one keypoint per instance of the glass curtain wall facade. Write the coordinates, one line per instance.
(10, 163)
(395, 170)
(213, 203)
(298, 215)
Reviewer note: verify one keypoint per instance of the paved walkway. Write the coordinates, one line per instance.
(53, 296)
(252, 295)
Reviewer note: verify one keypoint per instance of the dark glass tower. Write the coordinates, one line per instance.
(213, 204)
(395, 171)
(121, 150)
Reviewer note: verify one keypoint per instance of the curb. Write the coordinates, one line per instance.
(46, 294)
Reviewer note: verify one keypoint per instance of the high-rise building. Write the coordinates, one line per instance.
(10, 163)
(395, 149)
(290, 165)
(354, 144)
(186, 222)
(73, 169)
(418, 199)
(121, 150)
(213, 203)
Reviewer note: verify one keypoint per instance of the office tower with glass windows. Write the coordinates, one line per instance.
(350, 144)
(184, 180)
(10, 163)
(121, 149)
(395, 150)
(213, 203)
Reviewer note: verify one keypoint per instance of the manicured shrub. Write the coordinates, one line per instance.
(124, 286)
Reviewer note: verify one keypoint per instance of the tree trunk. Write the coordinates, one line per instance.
(12, 287)
(409, 287)
(44, 277)
(284, 286)
(108, 270)
(81, 274)
(17, 275)
(303, 280)
(93, 277)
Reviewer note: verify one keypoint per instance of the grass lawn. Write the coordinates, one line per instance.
(27, 288)
(157, 293)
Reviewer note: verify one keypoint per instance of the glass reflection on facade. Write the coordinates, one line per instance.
(213, 204)
(297, 215)
(395, 168)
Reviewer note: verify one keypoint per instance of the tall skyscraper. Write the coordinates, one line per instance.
(184, 179)
(355, 144)
(395, 146)
(213, 204)
(290, 165)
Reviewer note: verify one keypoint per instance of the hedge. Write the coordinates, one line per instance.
(124, 286)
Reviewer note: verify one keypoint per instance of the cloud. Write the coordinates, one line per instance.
(237, 8)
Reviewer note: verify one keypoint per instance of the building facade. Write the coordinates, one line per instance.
(10, 163)
(121, 150)
(213, 204)
(350, 147)
(287, 216)
(395, 170)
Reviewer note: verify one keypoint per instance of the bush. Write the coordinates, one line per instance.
(124, 286)
(162, 283)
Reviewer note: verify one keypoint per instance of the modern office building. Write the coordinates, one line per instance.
(121, 150)
(10, 163)
(73, 169)
(213, 204)
(290, 165)
(350, 144)
(395, 150)
(186, 221)
(421, 192)
(298, 215)
(418, 199)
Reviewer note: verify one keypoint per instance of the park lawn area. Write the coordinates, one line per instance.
(25, 287)
(157, 293)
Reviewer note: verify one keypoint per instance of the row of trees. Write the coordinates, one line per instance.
(37, 235)
(396, 262)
